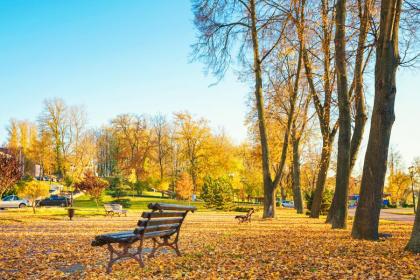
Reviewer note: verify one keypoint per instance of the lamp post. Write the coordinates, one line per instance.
(411, 169)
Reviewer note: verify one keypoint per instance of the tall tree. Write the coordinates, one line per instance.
(339, 219)
(13, 130)
(322, 95)
(161, 134)
(298, 127)
(193, 136)
(54, 121)
(135, 143)
(366, 220)
(338, 209)
(226, 27)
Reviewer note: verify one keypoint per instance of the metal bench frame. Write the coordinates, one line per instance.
(247, 217)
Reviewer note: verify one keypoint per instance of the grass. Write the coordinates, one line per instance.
(137, 202)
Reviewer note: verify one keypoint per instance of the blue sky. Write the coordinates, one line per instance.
(116, 57)
(111, 56)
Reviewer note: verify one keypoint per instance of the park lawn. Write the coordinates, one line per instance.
(214, 246)
(136, 202)
(86, 207)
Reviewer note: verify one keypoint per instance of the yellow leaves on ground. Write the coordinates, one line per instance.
(214, 246)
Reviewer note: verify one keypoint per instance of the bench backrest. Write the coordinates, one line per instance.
(117, 207)
(163, 220)
(108, 207)
(250, 212)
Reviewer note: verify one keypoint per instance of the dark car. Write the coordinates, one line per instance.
(55, 200)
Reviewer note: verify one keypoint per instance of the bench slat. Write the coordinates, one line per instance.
(116, 237)
(148, 215)
(157, 221)
(165, 206)
(156, 228)
(160, 233)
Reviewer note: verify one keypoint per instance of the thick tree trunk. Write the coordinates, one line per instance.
(360, 105)
(297, 192)
(321, 178)
(366, 221)
(414, 243)
(269, 201)
(339, 218)
(269, 188)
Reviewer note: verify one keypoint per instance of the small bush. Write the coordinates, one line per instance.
(117, 187)
(217, 193)
(406, 205)
(242, 209)
(389, 206)
(126, 203)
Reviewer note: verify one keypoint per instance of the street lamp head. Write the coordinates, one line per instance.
(411, 169)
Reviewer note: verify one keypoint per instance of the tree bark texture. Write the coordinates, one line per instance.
(414, 243)
(366, 220)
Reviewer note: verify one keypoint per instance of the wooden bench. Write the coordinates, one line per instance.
(247, 217)
(114, 209)
(162, 225)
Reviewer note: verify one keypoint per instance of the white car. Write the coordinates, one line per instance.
(12, 201)
(288, 204)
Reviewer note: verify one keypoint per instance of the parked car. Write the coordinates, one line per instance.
(13, 201)
(55, 200)
(288, 204)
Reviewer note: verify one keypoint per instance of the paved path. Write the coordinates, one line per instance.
(390, 215)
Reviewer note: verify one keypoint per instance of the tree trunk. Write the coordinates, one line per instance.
(414, 243)
(339, 217)
(321, 178)
(366, 221)
(328, 134)
(194, 181)
(269, 188)
(360, 104)
(269, 201)
(297, 192)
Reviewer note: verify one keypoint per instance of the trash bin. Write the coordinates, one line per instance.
(70, 212)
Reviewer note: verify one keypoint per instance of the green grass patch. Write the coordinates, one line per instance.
(137, 202)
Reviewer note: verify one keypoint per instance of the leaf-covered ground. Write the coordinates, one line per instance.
(214, 247)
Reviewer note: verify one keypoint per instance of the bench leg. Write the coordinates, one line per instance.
(123, 253)
(157, 245)
(176, 248)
